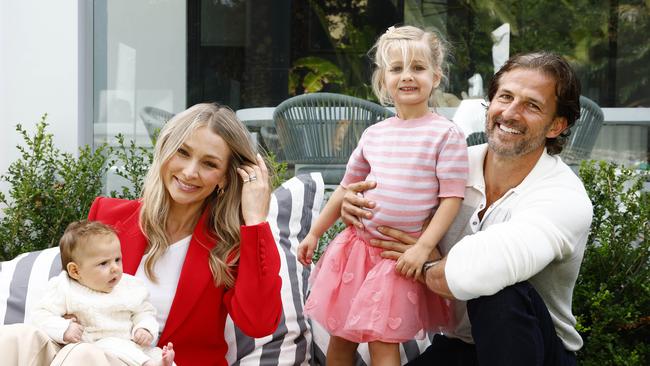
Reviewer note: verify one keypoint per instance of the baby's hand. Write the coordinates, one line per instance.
(142, 337)
(306, 249)
(410, 263)
(74, 332)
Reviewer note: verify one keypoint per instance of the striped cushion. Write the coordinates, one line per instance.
(294, 206)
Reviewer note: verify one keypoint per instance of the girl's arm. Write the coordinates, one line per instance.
(325, 220)
(330, 213)
(410, 263)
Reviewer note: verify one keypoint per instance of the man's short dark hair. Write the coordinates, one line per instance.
(567, 88)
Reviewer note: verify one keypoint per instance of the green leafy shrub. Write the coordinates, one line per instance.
(612, 295)
(131, 162)
(277, 170)
(315, 73)
(48, 190)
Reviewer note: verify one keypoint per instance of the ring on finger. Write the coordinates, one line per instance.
(252, 178)
(247, 180)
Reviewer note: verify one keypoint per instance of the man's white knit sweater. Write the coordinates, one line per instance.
(537, 232)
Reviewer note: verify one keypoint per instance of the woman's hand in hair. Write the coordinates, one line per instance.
(256, 192)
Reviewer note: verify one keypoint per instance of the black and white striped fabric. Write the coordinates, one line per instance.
(23, 280)
(294, 206)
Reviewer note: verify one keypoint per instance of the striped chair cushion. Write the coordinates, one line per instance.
(294, 206)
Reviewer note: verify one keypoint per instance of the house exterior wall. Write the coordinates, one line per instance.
(40, 73)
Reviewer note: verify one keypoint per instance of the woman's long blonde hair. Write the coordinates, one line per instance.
(225, 202)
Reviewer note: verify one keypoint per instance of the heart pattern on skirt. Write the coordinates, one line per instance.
(376, 296)
(347, 277)
(375, 315)
(354, 320)
(413, 297)
(394, 323)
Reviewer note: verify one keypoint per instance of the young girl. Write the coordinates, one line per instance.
(419, 161)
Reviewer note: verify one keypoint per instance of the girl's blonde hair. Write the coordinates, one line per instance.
(224, 203)
(407, 39)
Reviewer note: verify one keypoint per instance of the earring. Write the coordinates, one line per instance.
(219, 190)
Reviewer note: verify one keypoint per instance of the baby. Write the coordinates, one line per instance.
(101, 305)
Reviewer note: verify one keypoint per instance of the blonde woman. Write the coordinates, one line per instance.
(199, 239)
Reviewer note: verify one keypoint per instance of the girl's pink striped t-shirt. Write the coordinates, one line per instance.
(414, 162)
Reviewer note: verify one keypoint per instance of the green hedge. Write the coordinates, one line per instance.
(612, 296)
(47, 190)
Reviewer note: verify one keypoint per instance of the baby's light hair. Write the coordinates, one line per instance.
(407, 38)
(76, 234)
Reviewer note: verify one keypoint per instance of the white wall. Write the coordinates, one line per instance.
(39, 72)
(46, 50)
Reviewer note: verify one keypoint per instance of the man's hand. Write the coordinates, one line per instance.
(74, 332)
(354, 206)
(142, 337)
(393, 249)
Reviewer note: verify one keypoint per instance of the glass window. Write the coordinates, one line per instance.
(169, 54)
(139, 67)
(252, 54)
(238, 52)
(139, 61)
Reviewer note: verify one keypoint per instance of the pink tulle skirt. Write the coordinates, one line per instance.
(357, 295)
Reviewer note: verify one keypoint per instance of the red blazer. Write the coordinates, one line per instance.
(198, 313)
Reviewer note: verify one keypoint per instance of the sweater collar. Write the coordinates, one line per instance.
(476, 157)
